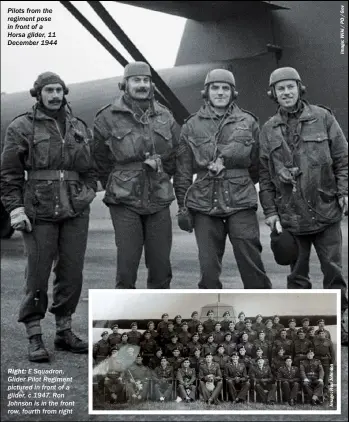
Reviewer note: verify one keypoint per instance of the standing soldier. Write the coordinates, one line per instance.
(210, 323)
(235, 374)
(184, 337)
(186, 378)
(202, 335)
(211, 383)
(50, 208)
(163, 325)
(292, 331)
(252, 335)
(276, 324)
(174, 344)
(194, 322)
(194, 344)
(240, 325)
(218, 334)
(258, 325)
(153, 332)
(321, 325)
(178, 324)
(312, 375)
(304, 180)
(148, 347)
(210, 346)
(270, 332)
(324, 351)
(167, 335)
(289, 377)
(301, 346)
(134, 149)
(101, 348)
(219, 143)
(115, 337)
(305, 325)
(226, 321)
(284, 342)
(134, 336)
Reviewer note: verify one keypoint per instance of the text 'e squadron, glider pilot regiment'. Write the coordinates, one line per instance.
(134, 149)
(51, 208)
(219, 143)
(304, 180)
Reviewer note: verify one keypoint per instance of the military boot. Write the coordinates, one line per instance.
(36, 349)
(67, 340)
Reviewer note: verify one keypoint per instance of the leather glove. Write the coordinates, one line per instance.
(19, 220)
(274, 223)
(185, 220)
(154, 162)
(343, 203)
(216, 167)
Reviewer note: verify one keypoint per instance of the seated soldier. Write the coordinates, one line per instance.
(114, 377)
(210, 380)
(148, 347)
(235, 374)
(263, 382)
(312, 375)
(210, 346)
(163, 381)
(289, 377)
(278, 361)
(137, 381)
(186, 378)
(228, 344)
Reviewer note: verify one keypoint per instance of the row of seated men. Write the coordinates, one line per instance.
(123, 381)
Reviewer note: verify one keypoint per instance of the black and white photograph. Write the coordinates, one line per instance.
(214, 351)
(166, 145)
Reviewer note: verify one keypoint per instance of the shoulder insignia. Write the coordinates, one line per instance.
(250, 113)
(20, 115)
(103, 108)
(326, 108)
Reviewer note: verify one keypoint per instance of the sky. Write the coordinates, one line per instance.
(78, 57)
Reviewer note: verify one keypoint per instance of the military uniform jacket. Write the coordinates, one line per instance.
(222, 360)
(286, 374)
(246, 360)
(186, 376)
(278, 327)
(162, 328)
(286, 344)
(166, 336)
(324, 349)
(148, 346)
(184, 337)
(175, 363)
(112, 368)
(292, 334)
(203, 338)
(191, 346)
(218, 337)
(311, 369)
(134, 337)
(161, 373)
(276, 363)
(225, 325)
(195, 363)
(171, 346)
(114, 339)
(301, 346)
(259, 374)
(154, 362)
(213, 369)
(239, 370)
(270, 335)
(264, 345)
(121, 142)
(320, 151)
(249, 348)
(327, 334)
(34, 143)
(254, 361)
(237, 142)
(252, 335)
(209, 348)
(138, 372)
(209, 325)
(192, 326)
(229, 348)
(258, 326)
(101, 349)
(240, 326)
